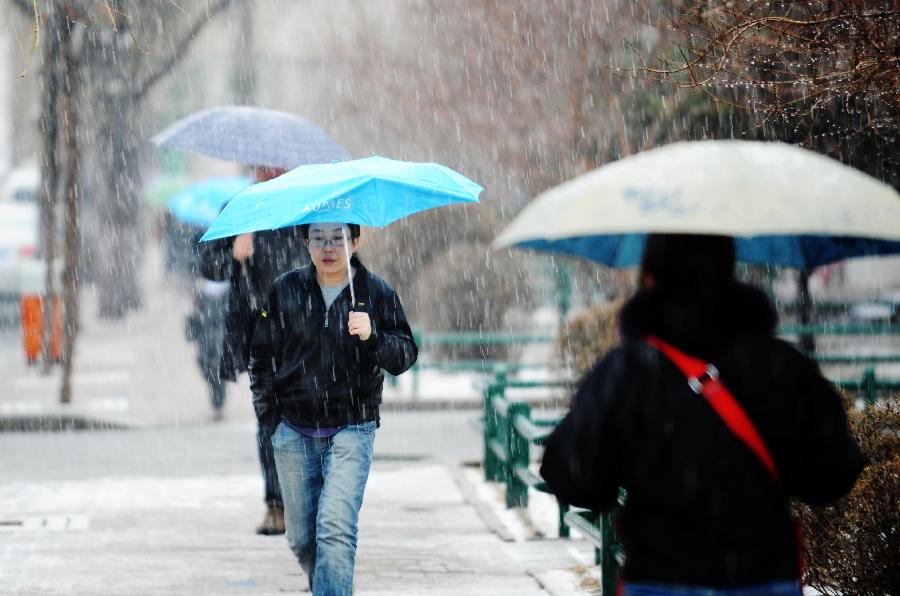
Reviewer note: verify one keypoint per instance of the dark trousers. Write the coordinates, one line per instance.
(267, 463)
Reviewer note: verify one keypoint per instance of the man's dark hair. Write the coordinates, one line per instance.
(689, 260)
(354, 230)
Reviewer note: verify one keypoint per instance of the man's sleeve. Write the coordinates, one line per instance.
(216, 261)
(391, 344)
(263, 365)
(581, 462)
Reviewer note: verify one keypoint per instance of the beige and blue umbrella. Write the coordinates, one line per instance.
(784, 206)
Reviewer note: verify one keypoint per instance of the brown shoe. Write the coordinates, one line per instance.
(273, 522)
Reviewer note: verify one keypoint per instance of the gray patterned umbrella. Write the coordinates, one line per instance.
(252, 136)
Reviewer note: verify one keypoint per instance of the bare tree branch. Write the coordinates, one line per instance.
(181, 46)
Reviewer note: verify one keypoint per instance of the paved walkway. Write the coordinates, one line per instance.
(190, 535)
(168, 506)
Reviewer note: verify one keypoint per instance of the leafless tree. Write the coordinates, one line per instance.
(823, 73)
(98, 67)
(129, 47)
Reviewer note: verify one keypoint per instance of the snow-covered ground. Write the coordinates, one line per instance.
(538, 523)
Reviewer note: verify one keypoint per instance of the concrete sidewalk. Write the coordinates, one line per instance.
(168, 506)
(190, 535)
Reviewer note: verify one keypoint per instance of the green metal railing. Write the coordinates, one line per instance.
(868, 386)
(473, 338)
(840, 329)
(509, 433)
(479, 366)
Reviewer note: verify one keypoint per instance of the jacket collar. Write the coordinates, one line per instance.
(700, 323)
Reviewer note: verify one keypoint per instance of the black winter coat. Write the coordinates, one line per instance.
(701, 509)
(274, 252)
(305, 366)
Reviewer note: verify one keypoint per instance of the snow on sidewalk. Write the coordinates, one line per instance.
(191, 535)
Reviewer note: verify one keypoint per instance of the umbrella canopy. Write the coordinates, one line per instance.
(374, 191)
(201, 203)
(252, 136)
(785, 206)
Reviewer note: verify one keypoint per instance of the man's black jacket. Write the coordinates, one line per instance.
(701, 509)
(274, 252)
(305, 366)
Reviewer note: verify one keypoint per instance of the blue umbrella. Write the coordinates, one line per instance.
(253, 136)
(200, 203)
(374, 191)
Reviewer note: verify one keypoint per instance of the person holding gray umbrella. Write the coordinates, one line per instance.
(271, 142)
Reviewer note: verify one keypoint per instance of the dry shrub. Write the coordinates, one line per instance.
(852, 546)
(590, 335)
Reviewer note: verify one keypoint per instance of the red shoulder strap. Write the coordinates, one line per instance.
(703, 378)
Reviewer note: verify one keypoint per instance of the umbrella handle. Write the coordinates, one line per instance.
(346, 231)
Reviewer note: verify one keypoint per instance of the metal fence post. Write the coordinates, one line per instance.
(518, 456)
(415, 381)
(416, 369)
(492, 471)
(869, 386)
(609, 567)
(563, 526)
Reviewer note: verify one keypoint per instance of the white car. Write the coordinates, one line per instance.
(20, 185)
(20, 234)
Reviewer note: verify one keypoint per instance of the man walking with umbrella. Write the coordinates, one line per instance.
(326, 335)
(316, 374)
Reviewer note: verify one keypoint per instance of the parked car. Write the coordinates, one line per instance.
(20, 185)
(20, 232)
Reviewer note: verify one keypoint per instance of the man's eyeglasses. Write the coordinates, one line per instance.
(321, 241)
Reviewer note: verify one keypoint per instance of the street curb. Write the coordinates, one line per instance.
(56, 423)
(484, 511)
(78, 421)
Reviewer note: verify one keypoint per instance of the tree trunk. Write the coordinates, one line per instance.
(117, 276)
(49, 123)
(69, 130)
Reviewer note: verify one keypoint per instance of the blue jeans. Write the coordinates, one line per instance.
(780, 588)
(322, 484)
